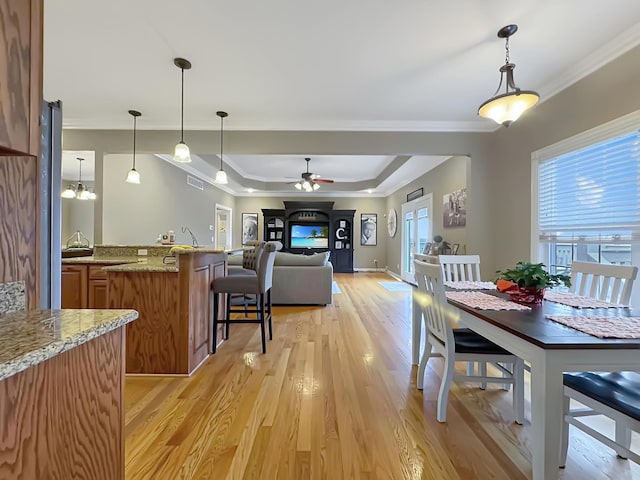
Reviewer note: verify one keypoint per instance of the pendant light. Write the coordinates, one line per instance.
(221, 175)
(181, 153)
(79, 191)
(507, 107)
(133, 176)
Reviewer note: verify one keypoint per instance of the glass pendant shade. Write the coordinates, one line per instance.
(69, 192)
(316, 186)
(133, 176)
(507, 108)
(181, 153)
(298, 186)
(221, 177)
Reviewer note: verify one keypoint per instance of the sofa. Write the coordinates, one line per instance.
(298, 279)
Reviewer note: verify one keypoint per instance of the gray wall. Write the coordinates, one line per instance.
(364, 256)
(136, 214)
(77, 215)
(445, 178)
(607, 94)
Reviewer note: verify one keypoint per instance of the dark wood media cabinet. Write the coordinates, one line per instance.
(311, 227)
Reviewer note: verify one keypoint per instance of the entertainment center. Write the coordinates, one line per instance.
(311, 227)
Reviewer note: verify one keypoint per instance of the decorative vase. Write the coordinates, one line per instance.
(527, 295)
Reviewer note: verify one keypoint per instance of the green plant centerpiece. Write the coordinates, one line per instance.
(527, 282)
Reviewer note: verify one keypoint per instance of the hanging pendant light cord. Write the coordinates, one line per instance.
(221, 140)
(134, 142)
(182, 108)
(80, 173)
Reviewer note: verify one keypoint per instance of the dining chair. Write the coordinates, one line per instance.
(460, 344)
(613, 394)
(610, 283)
(258, 285)
(460, 268)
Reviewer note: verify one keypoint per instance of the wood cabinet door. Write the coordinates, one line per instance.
(20, 76)
(98, 293)
(74, 286)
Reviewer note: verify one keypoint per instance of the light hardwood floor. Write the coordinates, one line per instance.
(334, 398)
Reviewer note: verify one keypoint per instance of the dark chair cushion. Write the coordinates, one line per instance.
(468, 341)
(236, 284)
(618, 390)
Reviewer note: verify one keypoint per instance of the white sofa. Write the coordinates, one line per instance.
(298, 279)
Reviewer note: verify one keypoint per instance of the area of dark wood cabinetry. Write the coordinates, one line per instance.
(98, 293)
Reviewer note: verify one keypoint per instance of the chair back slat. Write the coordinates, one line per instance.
(460, 268)
(434, 304)
(611, 283)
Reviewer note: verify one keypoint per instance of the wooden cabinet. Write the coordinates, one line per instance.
(274, 225)
(342, 246)
(20, 76)
(74, 286)
(84, 286)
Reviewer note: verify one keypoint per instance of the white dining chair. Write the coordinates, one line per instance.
(610, 283)
(461, 344)
(460, 268)
(613, 394)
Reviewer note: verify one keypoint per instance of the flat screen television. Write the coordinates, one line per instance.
(309, 235)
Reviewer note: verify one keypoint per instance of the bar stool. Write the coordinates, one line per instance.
(258, 285)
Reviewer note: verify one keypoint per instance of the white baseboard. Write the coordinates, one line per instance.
(358, 269)
(395, 275)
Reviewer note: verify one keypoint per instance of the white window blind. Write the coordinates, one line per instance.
(592, 194)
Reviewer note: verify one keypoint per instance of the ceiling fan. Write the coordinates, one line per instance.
(310, 181)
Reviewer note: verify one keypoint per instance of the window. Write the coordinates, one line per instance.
(587, 198)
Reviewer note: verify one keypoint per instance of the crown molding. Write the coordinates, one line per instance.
(598, 59)
(473, 126)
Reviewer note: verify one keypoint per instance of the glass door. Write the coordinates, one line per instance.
(416, 231)
(222, 238)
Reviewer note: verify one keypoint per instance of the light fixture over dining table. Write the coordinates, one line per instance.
(505, 108)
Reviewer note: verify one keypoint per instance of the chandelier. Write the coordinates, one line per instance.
(505, 108)
(79, 191)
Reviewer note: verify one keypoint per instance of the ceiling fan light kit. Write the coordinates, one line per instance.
(505, 108)
(310, 181)
(181, 153)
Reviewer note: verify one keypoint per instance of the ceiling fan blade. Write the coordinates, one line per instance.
(323, 180)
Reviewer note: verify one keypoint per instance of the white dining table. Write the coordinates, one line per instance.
(551, 349)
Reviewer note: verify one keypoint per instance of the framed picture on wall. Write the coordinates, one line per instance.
(369, 229)
(455, 209)
(249, 227)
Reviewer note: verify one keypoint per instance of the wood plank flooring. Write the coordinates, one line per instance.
(334, 398)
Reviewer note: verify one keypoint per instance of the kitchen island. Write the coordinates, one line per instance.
(61, 394)
(174, 332)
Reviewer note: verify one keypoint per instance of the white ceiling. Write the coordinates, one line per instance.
(333, 65)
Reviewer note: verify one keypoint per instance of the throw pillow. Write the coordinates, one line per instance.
(295, 260)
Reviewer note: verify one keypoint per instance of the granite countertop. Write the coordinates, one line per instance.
(105, 260)
(31, 337)
(199, 250)
(149, 266)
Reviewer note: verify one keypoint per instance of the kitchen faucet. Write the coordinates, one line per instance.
(194, 240)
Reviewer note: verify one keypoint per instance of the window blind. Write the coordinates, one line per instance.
(592, 194)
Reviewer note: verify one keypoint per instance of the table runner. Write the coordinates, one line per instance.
(482, 301)
(470, 285)
(572, 300)
(601, 327)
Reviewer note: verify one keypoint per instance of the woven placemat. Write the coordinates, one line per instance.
(470, 285)
(576, 301)
(601, 327)
(482, 301)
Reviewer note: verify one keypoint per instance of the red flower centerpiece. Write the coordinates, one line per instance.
(527, 282)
